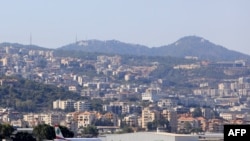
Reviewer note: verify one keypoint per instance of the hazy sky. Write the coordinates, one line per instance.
(54, 23)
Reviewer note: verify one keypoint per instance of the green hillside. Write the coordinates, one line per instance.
(30, 96)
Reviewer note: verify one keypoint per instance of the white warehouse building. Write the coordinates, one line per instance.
(150, 136)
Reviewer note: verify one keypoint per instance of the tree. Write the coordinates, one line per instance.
(44, 131)
(103, 122)
(197, 112)
(187, 127)
(158, 123)
(66, 132)
(69, 109)
(196, 130)
(151, 126)
(23, 136)
(90, 131)
(96, 104)
(42, 63)
(127, 129)
(5, 131)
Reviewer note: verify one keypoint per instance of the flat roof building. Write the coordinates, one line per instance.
(151, 136)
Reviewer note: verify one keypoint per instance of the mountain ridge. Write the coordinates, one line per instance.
(185, 46)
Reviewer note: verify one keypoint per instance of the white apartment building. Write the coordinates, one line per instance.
(63, 104)
(72, 104)
(72, 88)
(82, 106)
(228, 116)
(149, 115)
(151, 95)
(166, 103)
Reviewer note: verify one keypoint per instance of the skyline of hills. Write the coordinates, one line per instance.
(185, 46)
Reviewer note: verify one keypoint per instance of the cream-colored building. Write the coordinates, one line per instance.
(149, 115)
(47, 118)
(131, 120)
(228, 116)
(184, 119)
(85, 118)
(112, 117)
(71, 104)
(5, 61)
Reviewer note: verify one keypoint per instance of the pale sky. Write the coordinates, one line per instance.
(54, 23)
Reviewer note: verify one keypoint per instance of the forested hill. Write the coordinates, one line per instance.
(30, 96)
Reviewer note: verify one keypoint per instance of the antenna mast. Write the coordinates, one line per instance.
(30, 39)
(76, 38)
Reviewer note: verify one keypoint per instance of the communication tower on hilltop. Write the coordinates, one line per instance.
(76, 38)
(30, 39)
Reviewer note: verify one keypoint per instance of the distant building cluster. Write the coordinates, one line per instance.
(71, 104)
(130, 95)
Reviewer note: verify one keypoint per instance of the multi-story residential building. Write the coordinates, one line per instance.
(216, 125)
(71, 121)
(181, 109)
(72, 88)
(228, 115)
(131, 120)
(85, 118)
(7, 115)
(207, 113)
(171, 116)
(149, 115)
(185, 120)
(114, 107)
(130, 109)
(227, 101)
(81, 106)
(103, 85)
(91, 85)
(76, 120)
(203, 123)
(189, 100)
(151, 95)
(71, 104)
(5, 61)
(63, 104)
(112, 117)
(47, 118)
(89, 93)
(166, 103)
(117, 109)
(188, 67)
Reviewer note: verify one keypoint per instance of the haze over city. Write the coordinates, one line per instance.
(109, 70)
(53, 24)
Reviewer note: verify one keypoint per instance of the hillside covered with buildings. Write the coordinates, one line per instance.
(121, 92)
